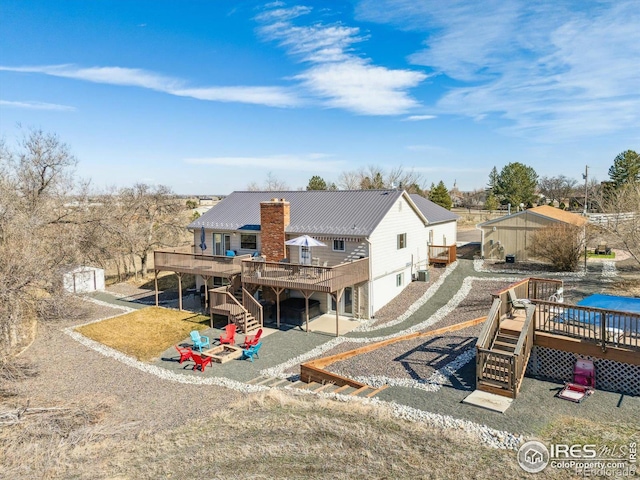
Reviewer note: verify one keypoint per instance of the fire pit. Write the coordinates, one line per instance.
(223, 353)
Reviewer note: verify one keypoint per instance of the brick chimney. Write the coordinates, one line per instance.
(274, 218)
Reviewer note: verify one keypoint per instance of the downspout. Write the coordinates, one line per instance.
(370, 283)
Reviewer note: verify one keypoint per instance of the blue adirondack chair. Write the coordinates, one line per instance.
(198, 340)
(251, 351)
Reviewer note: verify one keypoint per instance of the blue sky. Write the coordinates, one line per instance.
(209, 96)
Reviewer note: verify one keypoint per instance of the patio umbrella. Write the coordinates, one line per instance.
(203, 237)
(307, 242)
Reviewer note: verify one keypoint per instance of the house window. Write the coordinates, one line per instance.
(402, 240)
(399, 279)
(248, 242)
(338, 246)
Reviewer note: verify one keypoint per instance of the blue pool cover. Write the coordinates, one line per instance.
(611, 302)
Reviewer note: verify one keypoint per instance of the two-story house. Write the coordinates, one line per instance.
(375, 242)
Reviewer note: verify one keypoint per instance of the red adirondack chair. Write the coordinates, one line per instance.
(230, 335)
(185, 353)
(200, 361)
(251, 340)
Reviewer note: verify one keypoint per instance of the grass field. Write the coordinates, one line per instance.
(146, 333)
(264, 436)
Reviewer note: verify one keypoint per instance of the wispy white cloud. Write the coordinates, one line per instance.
(337, 74)
(417, 118)
(362, 88)
(555, 70)
(134, 77)
(312, 162)
(37, 106)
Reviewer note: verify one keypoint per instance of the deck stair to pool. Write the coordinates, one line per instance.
(363, 391)
(503, 349)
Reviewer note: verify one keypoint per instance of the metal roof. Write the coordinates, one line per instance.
(332, 212)
(546, 211)
(433, 212)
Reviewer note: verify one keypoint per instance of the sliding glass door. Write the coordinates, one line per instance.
(221, 243)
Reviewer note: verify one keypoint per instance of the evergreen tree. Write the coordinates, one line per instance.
(440, 195)
(491, 203)
(516, 184)
(317, 183)
(625, 169)
(493, 180)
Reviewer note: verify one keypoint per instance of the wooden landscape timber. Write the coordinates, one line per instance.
(313, 371)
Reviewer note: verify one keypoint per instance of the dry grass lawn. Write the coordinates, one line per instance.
(264, 436)
(145, 333)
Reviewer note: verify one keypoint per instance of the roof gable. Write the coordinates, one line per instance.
(546, 211)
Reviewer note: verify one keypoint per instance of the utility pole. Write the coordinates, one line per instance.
(585, 175)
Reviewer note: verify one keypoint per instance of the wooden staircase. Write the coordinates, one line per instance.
(503, 350)
(247, 323)
(364, 391)
(239, 307)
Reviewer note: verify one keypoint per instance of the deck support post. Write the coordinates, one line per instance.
(278, 291)
(336, 298)
(179, 291)
(307, 294)
(156, 284)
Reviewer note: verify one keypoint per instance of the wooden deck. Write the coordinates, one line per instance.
(442, 254)
(306, 277)
(182, 260)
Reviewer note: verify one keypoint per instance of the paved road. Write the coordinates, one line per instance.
(469, 235)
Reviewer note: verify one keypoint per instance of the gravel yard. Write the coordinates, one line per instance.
(415, 359)
(419, 358)
(408, 297)
(475, 304)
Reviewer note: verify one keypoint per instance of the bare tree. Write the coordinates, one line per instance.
(374, 177)
(560, 244)
(149, 217)
(41, 213)
(622, 217)
(557, 188)
(271, 184)
(473, 199)
(349, 180)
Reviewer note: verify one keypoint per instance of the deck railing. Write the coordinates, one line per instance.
(253, 306)
(491, 325)
(442, 254)
(182, 261)
(498, 369)
(305, 277)
(524, 347)
(531, 288)
(607, 328)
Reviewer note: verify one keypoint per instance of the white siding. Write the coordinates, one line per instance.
(235, 241)
(354, 249)
(388, 261)
(445, 234)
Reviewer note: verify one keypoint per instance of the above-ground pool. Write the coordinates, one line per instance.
(612, 302)
(622, 319)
